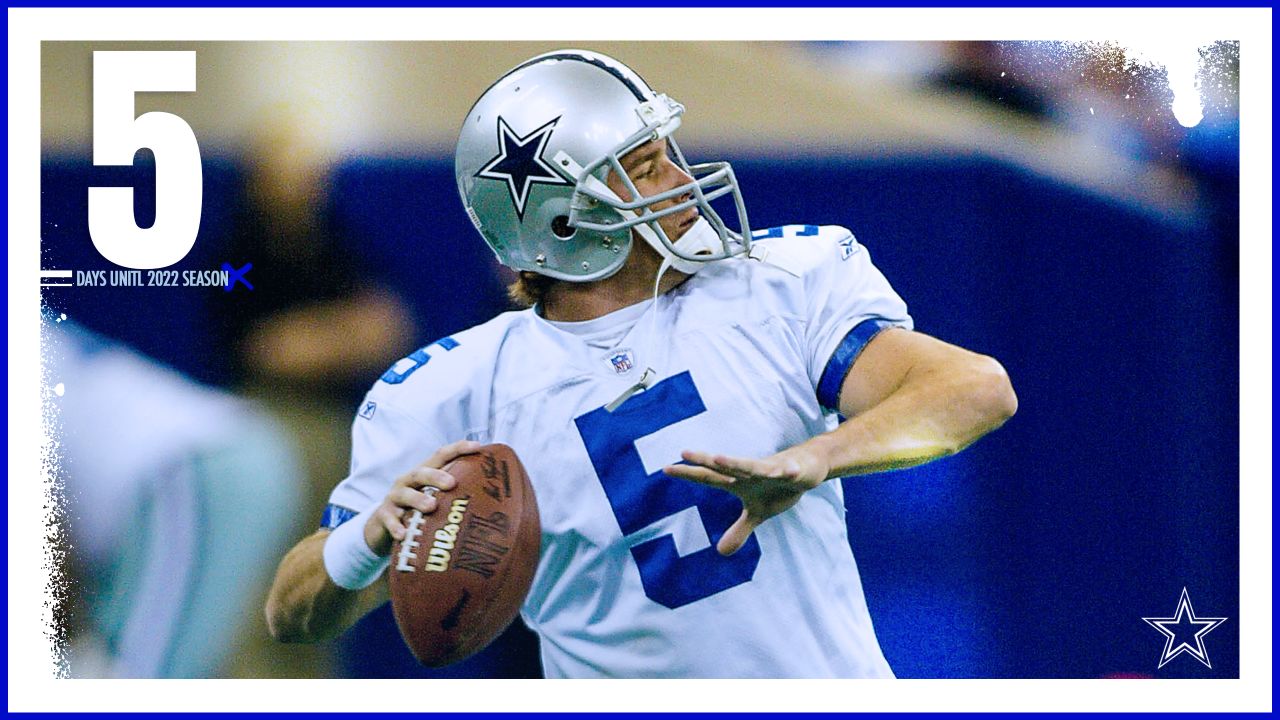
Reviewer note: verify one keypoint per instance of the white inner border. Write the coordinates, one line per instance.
(31, 687)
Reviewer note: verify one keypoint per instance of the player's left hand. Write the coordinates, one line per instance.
(766, 486)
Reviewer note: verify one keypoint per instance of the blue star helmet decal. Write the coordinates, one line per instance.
(520, 164)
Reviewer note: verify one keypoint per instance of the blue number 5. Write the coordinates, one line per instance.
(408, 365)
(640, 499)
(777, 232)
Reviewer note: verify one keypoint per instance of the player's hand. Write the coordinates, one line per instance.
(415, 490)
(766, 486)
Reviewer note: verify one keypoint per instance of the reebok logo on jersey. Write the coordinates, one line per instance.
(847, 247)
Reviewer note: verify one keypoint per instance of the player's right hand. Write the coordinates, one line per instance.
(415, 490)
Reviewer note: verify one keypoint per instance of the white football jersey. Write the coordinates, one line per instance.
(178, 505)
(749, 355)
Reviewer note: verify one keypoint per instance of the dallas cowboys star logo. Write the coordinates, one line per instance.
(519, 162)
(1185, 625)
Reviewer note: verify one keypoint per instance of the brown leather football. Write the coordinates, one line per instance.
(461, 573)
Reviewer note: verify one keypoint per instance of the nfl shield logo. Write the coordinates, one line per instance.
(621, 361)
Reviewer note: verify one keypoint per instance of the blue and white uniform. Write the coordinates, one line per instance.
(179, 499)
(749, 356)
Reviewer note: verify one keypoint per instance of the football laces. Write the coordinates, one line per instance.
(412, 533)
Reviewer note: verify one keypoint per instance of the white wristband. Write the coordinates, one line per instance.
(348, 559)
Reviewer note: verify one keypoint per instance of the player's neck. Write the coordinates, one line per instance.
(575, 302)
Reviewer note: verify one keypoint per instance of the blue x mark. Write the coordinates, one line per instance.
(235, 275)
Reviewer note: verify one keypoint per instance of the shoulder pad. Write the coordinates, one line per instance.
(797, 248)
(445, 368)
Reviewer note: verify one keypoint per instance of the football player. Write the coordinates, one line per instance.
(675, 392)
(164, 570)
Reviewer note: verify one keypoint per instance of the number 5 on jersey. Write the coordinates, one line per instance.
(640, 499)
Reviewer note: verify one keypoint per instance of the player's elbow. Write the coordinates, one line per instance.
(991, 392)
(282, 624)
(293, 608)
(279, 631)
(297, 625)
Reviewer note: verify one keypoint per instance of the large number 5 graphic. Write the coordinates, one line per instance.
(640, 499)
(118, 135)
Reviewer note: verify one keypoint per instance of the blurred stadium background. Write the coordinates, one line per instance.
(1035, 202)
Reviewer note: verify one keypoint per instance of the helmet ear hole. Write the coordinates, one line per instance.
(560, 226)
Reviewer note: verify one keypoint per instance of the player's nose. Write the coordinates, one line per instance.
(679, 178)
(682, 177)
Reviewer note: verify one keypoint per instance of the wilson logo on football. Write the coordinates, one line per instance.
(445, 538)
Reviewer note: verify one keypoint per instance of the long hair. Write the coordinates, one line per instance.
(529, 288)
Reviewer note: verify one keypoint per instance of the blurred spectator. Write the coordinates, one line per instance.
(316, 329)
(1118, 94)
(1115, 94)
(982, 69)
(314, 332)
(179, 498)
(316, 321)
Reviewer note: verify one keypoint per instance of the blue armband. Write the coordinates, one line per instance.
(846, 353)
(335, 515)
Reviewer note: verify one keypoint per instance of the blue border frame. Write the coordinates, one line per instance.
(583, 4)
(657, 4)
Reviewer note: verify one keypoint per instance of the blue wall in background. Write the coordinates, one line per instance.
(1036, 552)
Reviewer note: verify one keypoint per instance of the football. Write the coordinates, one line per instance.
(461, 573)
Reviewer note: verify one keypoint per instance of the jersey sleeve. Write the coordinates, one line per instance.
(437, 395)
(386, 442)
(848, 301)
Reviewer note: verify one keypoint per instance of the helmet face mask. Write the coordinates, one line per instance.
(536, 152)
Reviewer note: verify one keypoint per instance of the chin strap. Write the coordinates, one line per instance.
(699, 237)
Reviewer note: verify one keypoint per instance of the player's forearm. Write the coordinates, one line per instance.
(304, 604)
(937, 411)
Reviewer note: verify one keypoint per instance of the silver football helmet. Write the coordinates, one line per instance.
(534, 154)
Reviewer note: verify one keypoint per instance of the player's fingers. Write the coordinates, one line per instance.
(698, 458)
(736, 536)
(424, 476)
(411, 499)
(447, 453)
(389, 516)
(739, 467)
(699, 475)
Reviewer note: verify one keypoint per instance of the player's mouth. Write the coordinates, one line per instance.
(687, 223)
